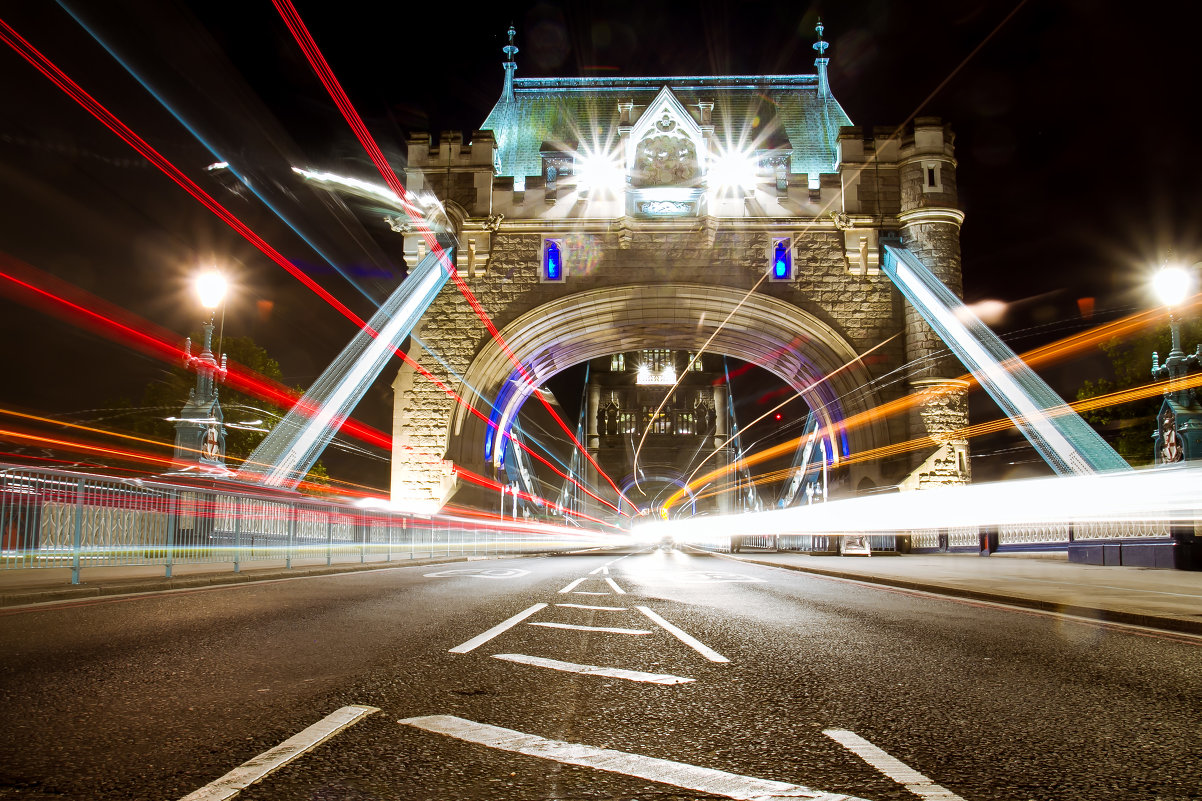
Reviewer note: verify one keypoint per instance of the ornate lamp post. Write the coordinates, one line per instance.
(200, 427)
(1178, 435)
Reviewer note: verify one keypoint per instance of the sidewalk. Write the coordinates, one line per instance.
(1161, 599)
(44, 585)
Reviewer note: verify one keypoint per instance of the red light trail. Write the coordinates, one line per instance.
(326, 75)
(281, 395)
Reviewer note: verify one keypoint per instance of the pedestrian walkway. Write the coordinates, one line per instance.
(1162, 599)
(44, 585)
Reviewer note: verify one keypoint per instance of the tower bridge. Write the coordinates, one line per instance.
(736, 215)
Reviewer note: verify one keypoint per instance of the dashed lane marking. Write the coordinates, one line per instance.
(480, 639)
(598, 608)
(589, 628)
(574, 584)
(664, 771)
(593, 670)
(614, 584)
(272, 759)
(892, 767)
(684, 637)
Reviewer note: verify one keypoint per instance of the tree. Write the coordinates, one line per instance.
(247, 418)
(1130, 427)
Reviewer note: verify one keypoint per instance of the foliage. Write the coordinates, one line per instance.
(1130, 427)
(165, 396)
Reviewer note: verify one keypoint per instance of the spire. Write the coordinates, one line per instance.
(824, 86)
(510, 50)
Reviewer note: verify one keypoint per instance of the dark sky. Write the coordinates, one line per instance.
(1075, 120)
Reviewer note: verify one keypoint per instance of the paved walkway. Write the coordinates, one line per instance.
(1162, 599)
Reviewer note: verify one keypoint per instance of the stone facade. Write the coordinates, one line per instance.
(836, 306)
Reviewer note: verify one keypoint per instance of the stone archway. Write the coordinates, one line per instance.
(787, 341)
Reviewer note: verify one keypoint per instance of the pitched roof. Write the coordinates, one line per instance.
(754, 110)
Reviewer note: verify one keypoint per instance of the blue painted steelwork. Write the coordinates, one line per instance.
(1066, 442)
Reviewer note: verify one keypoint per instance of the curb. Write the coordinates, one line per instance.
(85, 591)
(1099, 615)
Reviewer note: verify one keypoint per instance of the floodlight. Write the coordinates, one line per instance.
(600, 171)
(732, 169)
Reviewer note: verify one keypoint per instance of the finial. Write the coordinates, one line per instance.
(821, 45)
(510, 50)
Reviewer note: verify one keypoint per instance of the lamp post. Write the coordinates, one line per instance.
(1178, 435)
(200, 428)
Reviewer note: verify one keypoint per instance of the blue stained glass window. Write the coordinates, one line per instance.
(552, 261)
(782, 260)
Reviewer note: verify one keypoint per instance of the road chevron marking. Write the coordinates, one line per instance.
(480, 639)
(892, 767)
(272, 759)
(598, 608)
(664, 771)
(574, 584)
(684, 637)
(593, 670)
(614, 584)
(589, 628)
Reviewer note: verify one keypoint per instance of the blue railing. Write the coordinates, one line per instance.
(60, 519)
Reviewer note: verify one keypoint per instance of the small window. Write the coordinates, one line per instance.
(931, 178)
(695, 362)
(617, 362)
(552, 260)
(780, 259)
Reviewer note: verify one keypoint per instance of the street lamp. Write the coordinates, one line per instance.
(1178, 434)
(200, 428)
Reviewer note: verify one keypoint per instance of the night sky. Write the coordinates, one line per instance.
(1076, 126)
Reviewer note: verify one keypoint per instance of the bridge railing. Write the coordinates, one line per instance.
(61, 519)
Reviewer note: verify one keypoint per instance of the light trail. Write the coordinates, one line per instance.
(40, 62)
(326, 75)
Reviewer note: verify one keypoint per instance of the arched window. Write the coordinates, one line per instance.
(781, 259)
(552, 260)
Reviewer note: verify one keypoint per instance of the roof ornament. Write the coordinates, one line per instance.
(510, 50)
(824, 86)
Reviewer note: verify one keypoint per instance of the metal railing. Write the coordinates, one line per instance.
(58, 519)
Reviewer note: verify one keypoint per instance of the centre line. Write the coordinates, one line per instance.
(574, 584)
(589, 628)
(480, 639)
(272, 759)
(593, 670)
(614, 584)
(687, 639)
(599, 608)
(664, 771)
(892, 767)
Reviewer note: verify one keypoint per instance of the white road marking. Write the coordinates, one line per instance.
(687, 639)
(586, 592)
(614, 584)
(602, 569)
(480, 572)
(894, 768)
(664, 771)
(480, 639)
(574, 584)
(272, 759)
(593, 670)
(599, 608)
(589, 628)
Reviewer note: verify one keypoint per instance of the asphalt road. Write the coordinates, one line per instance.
(740, 681)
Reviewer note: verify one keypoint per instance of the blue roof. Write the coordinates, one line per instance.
(564, 113)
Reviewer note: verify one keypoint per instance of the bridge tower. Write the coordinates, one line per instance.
(741, 215)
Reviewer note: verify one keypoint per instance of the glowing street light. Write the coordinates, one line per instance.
(1178, 434)
(211, 287)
